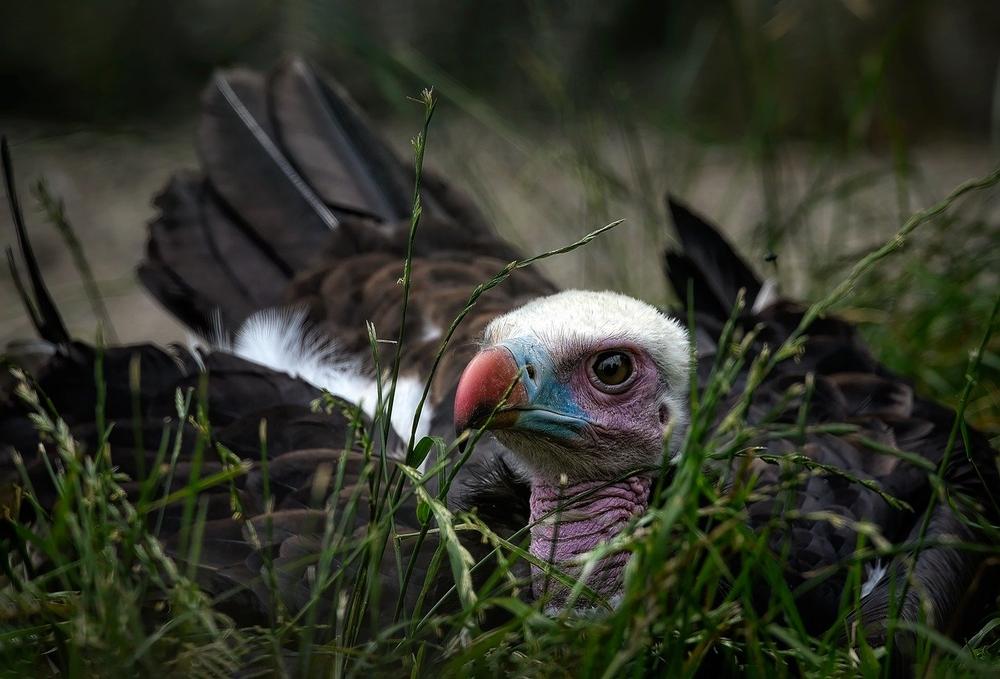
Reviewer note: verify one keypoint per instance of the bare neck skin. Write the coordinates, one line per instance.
(567, 521)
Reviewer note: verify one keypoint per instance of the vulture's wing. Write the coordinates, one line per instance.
(835, 379)
(265, 534)
(299, 203)
(708, 264)
(261, 549)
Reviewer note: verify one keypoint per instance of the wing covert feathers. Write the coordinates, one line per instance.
(848, 386)
(296, 185)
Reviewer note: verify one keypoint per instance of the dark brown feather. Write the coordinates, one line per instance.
(709, 262)
(849, 386)
(327, 140)
(42, 310)
(253, 175)
(210, 259)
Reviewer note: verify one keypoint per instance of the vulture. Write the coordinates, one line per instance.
(325, 377)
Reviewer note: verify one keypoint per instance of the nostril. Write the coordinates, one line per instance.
(530, 371)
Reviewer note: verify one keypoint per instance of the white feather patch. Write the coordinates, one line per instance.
(767, 296)
(404, 406)
(875, 572)
(281, 340)
(430, 332)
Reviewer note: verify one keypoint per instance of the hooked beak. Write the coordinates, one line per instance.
(490, 376)
(515, 382)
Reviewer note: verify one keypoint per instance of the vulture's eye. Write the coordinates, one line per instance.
(611, 370)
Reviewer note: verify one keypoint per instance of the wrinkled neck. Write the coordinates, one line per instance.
(569, 521)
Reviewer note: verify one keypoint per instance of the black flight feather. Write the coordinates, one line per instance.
(239, 254)
(43, 312)
(22, 292)
(254, 176)
(331, 145)
(710, 262)
(200, 258)
(187, 305)
(683, 273)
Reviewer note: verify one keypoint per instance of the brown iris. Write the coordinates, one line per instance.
(612, 368)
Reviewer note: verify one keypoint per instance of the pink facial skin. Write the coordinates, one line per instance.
(626, 422)
(624, 430)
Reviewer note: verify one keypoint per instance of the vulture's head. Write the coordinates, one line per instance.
(582, 387)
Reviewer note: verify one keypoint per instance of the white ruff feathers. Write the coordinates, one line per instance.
(280, 340)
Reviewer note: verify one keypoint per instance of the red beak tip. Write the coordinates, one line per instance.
(483, 384)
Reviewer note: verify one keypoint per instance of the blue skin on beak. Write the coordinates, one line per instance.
(550, 409)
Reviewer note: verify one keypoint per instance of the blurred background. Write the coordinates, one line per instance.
(809, 131)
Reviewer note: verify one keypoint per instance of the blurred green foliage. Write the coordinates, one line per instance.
(720, 68)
